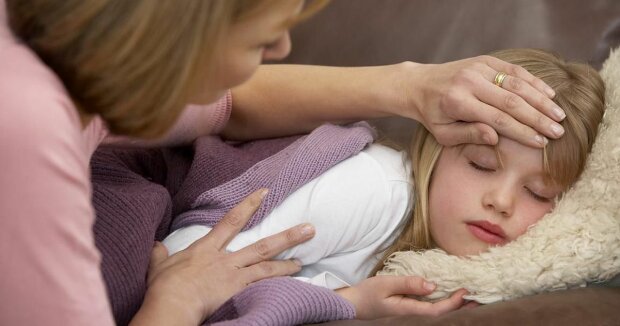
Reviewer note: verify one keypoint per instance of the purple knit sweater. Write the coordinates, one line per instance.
(137, 192)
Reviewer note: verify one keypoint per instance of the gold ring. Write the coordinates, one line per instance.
(499, 78)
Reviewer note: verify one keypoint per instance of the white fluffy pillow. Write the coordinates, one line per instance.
(578, 242)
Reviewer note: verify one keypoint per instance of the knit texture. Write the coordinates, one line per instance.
(137, 192)
(578, 242)
(283, 301)
(282, 173)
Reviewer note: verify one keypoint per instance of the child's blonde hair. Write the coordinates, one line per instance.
(133, 62)
(579, 91)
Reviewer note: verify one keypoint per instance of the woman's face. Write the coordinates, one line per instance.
(248, 43)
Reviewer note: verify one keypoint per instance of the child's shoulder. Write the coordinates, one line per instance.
(392, 163)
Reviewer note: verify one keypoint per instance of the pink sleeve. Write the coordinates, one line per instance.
(195, 121)
(49, 264)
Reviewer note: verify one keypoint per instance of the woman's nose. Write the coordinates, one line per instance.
(279, 50)
(500, 199)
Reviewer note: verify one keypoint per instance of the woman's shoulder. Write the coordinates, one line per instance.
(35, 108)
(40, 127)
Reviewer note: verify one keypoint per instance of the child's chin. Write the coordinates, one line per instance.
(473, 250)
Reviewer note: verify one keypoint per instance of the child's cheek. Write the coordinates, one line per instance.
(532, 213)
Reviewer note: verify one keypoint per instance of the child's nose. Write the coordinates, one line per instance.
(500, 199)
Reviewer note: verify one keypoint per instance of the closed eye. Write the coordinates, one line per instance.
(537, 197)
(480, 168)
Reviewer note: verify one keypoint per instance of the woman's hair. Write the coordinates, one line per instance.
(579, 91)
(133, 62)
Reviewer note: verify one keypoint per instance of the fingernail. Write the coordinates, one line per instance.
(429, 286)
(550, 92)
(297, 262)
(557, 130)
(541, 139)
(559, 113)
(307, 229)
(263, 193)
(486, 139)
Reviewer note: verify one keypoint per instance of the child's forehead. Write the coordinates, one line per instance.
(505, 147)
(509, 153)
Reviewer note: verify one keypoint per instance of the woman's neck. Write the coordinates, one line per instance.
(85, 117)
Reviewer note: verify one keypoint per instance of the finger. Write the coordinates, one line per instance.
(518, 108)
(465, 133)
(454, 302)
(158, 255)
(532, 96)
(470, 304)
(474, 110)
(405, 285)
(528, 106)
(407, 306)
(230, 225)
(412, 306)
(518, 71)
(271, 246)
(267, 269)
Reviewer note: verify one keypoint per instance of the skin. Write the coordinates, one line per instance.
(248, 44)
(470, 184)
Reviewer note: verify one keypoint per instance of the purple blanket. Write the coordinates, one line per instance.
(139, 193)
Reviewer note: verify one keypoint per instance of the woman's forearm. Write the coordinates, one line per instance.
(289, 99)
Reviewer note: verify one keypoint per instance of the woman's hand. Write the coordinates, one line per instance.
(187, 287)
(458, 102)
(382, 296)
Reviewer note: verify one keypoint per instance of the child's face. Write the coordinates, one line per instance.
(475, 203)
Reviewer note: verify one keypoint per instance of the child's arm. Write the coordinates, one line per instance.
(382, 296)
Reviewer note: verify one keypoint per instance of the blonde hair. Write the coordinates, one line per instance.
(135, 63)
(579, 91)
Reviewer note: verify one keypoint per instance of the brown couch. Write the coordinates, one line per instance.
(373, 32)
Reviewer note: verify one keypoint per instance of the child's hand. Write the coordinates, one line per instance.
(382, 296)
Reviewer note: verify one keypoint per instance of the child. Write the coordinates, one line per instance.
(462, 199)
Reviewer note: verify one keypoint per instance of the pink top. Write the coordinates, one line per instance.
(49, 265)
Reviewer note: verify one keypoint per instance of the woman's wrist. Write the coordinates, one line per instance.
(165, 311)
(403, 89)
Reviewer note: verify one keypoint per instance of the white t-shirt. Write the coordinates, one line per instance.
(358, 208)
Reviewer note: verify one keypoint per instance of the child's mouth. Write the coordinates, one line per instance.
(487, 232)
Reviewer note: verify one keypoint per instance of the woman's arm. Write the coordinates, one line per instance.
(289, 99)
(49, 262)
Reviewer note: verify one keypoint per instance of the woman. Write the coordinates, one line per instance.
(75, 69)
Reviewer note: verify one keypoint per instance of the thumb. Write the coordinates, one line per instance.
(158, 255)
(466, 133)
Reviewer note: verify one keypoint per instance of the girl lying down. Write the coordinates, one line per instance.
(462, 199)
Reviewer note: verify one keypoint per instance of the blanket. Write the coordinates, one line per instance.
(137, 193)
(578, 242)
